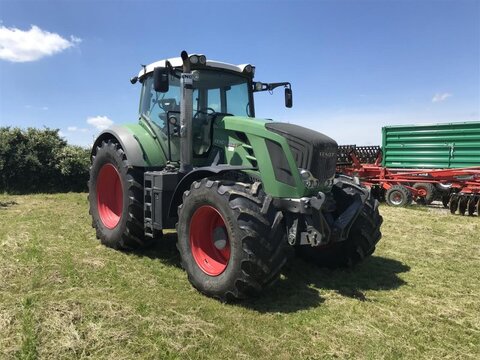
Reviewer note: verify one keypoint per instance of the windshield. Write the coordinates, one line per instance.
(221, 92)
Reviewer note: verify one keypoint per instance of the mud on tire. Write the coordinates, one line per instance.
(121, 226)
(256, 238)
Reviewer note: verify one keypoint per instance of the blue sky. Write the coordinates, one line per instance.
(355, 66)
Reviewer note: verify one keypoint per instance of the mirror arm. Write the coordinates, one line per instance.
(272, 86)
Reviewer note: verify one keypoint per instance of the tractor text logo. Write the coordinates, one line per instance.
(327, 154)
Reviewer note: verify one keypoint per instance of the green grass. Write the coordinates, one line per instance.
(64, 296)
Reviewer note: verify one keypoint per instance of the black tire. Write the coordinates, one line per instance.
(471, 206)
(360, 244)
(428, 189)
(127, 231)
(445, 200)
(398, 195)
(256, 237)
(462, 205)
(453, 206)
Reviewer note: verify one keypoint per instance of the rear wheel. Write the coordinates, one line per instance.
(116, 198)
(426, 193)
(398, 195)
(231, 239)
(362, 239)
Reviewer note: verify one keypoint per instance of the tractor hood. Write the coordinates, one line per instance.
(280, 151)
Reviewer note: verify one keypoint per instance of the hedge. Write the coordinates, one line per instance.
(39, 160)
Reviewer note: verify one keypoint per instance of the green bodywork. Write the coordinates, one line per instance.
(450, 145)
(226, 132)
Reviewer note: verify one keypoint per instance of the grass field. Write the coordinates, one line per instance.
(64, 296)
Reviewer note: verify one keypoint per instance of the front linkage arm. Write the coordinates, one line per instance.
(323, 219)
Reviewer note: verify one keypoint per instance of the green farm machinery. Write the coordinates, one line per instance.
(242, 192)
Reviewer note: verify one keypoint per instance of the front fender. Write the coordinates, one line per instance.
(197, 174)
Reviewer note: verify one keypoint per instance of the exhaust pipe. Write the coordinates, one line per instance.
(186, 115)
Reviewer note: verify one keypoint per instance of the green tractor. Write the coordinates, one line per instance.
(242, 192)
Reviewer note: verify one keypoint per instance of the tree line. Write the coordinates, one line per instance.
(39, 160)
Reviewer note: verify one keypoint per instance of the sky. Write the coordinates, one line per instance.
(355, 66)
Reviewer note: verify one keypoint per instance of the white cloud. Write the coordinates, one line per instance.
(30, 45)
(439, 97)
(44, 108)
(100, 122)
(76, 129)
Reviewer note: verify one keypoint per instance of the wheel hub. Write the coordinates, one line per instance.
(109, 196)
(220, 238)
(209, 240)
(396, 198)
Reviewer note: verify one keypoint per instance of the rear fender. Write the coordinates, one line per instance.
(141, 148)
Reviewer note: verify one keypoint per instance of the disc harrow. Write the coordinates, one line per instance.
(457, 189)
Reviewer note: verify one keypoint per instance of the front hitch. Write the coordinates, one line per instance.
(324, 219)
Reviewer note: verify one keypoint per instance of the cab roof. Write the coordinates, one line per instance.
(177, 62)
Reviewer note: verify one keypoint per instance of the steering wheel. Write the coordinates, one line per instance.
(206, 112)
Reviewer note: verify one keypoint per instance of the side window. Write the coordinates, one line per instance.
(156, 106)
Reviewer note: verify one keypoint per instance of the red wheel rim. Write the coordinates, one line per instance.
(109, 196)
(422, 191)
(207, 227)
(396, 198)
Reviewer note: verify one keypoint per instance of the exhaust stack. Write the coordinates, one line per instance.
(186, 115)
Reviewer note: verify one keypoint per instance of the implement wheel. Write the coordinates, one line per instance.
(231, 239)
(398, 195)
(471, 205)
(360, 243)
(445, 201)
(426, 193)
(116, 198)
(453, 203)
(462, 204)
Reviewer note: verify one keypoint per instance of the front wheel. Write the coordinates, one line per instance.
(231, 239)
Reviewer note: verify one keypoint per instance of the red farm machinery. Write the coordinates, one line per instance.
(422, 164)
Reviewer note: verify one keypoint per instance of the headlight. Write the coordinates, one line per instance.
(308, 179)
(194, 59)
(203, 59)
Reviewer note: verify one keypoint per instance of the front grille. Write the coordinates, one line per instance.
(312, 150)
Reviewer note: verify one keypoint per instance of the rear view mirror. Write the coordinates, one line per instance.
(288, 98)
(160, 79)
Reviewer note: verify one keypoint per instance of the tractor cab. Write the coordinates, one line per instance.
(218, 89)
